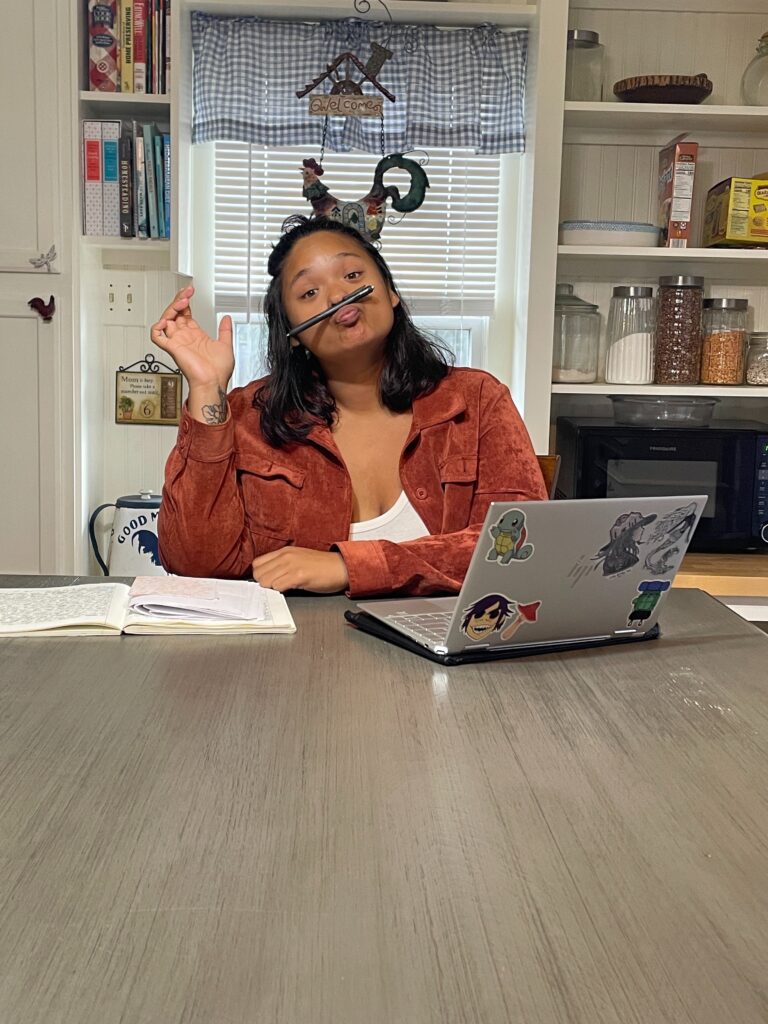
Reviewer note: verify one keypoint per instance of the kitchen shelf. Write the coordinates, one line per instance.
(669, 118)
(509, 15)
(703, 390)
(611, 263)
(125, 105)
(113, 242)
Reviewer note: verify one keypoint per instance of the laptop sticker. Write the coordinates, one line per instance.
(510, 537)
(489, 614)
(667, 535)
(485, 616)
(524, 613)
(648, 594)
(621, 553)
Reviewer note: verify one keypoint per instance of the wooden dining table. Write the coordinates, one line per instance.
(325, 829)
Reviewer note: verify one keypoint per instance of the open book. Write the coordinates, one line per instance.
(154, 604)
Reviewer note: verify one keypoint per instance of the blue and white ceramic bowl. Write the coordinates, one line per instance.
(608, 232)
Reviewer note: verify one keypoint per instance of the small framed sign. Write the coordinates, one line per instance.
(148, 395)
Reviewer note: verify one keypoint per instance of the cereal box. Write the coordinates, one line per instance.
(103, 28)
(736, 213)
(677, 169)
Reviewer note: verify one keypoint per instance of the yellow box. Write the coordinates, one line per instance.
(736, 213)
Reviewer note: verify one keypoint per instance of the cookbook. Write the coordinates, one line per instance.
(152, 605)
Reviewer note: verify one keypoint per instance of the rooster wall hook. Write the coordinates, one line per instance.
(367, 214)
(46, 310)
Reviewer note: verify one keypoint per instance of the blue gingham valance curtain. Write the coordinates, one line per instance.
(453, 87)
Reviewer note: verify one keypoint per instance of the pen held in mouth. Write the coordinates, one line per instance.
(361, 293)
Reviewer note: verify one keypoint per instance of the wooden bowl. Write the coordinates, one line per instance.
(663, 89)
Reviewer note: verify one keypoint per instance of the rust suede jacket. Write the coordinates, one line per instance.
(229, 496)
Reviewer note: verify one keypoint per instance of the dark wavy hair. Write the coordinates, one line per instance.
(294, 396)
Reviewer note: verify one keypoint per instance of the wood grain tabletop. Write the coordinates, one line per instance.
(323, 829)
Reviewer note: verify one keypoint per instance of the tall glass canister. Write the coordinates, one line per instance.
(631, 325)
(678, 330)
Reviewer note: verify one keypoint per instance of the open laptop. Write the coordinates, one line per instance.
(549, 575)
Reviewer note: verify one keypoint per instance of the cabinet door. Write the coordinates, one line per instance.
(29, 128)
(27, 470)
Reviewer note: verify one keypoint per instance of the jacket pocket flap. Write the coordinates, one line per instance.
(245, 462)
(460, 469)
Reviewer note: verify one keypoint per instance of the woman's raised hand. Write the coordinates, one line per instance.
(206, 364)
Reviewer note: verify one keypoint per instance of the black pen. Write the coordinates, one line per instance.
(361, 293)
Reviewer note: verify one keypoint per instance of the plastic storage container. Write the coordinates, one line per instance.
(577, 333)
(631, 324)
(663, 411)
(757, 359)
(584, 66)
(678, 330)
(754, 81)
(724, 341)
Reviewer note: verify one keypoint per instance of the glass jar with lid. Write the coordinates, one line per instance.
(754, 81)
(678, 330)
(757, 359)
(631, 323)
(584, 66)
(577, 334)
(724, 341)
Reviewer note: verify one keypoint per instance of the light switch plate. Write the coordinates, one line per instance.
(124, 297)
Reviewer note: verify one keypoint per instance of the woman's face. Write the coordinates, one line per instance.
(319, 271)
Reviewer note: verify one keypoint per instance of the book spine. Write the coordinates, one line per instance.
(167, 44)
(93, 217)
(126, 184)
(161, 46)
(149, 161)
(110, 135)
(126, 46)
(103, 30)
(167, 183)
(155, 46)
(140, 182)
(157, 142)
(140, 46)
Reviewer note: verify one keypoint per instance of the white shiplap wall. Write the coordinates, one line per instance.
(679, 43)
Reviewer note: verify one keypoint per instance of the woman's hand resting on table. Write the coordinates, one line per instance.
(206, 364)
(291, 568)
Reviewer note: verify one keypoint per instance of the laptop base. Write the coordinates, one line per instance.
(368, 624)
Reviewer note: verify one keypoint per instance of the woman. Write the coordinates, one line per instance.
(361, 463)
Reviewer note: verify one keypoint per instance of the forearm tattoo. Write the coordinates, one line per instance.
(216, 413)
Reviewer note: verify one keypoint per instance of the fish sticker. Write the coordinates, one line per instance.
(510, 539)
(648, 596)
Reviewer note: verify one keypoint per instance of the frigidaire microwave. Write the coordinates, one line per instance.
(727, 461)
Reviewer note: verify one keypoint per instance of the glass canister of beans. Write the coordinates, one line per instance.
(678, 330)
(724, 341)
(757, 358)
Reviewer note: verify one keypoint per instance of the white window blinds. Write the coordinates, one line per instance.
(443, 256)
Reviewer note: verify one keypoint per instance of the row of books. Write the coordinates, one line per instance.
(126, 180)
(129, 45)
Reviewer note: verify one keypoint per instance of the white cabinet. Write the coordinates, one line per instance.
(37, 411)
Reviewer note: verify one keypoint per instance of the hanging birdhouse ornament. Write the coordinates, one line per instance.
(346, 98)
(366, 215)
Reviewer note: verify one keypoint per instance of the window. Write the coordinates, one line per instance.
(443, 257)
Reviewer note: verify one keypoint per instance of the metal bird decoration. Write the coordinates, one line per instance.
(367, 214)
(46, 310)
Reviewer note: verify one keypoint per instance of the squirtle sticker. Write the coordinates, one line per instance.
(489, 614)
(510, 537)
(648, 596)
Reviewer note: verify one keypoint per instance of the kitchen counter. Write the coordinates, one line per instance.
(725, 575)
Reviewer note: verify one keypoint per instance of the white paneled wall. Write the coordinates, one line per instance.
(678, 43)
(130, 457)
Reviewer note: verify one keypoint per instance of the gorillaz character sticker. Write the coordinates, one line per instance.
(669, 532)
(648, 594)
(490, 613)
(621, 552)
(509, 539)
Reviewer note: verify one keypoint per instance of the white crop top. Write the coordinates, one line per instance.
(399, 523)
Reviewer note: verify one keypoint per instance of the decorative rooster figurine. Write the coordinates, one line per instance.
(366, 215)
(45, 309)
